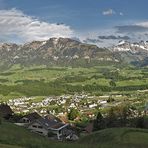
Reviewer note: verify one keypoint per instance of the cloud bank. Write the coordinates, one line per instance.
(108, 37)
(131, 28)
(14, 24)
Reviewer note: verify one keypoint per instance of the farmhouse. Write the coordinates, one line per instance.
(47, 127)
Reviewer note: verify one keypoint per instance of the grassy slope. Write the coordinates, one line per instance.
(8, 146)
(118, 137)
(13, 136)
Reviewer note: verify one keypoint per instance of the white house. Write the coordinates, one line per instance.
(45, 126)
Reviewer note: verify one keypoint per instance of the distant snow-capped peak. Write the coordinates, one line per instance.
(132, 47)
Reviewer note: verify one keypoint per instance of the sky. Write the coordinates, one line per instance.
(100, 22)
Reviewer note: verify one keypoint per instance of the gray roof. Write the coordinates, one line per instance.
(50, 124)
(32, 116)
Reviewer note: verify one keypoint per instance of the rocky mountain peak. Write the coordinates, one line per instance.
(124, 46)
(53, 51)
(8, 46)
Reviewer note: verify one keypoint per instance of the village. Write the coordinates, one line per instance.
(48, 116)
(58, 105)
(61, 105)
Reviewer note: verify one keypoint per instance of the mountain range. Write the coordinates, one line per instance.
(66, 51)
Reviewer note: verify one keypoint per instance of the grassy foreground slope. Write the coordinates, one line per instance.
(118, 137)
(12, 136)
(9, 146)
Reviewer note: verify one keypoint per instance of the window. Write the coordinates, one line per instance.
(39, 132)
(34, 126)
(60, 131)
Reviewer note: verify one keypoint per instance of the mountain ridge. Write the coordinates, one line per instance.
(53, 51)
(66, 52)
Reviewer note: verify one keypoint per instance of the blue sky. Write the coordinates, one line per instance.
(103, 22)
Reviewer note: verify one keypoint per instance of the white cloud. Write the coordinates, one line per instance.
(26, 28)
(143, 24)
(121, 13)
(109, 12)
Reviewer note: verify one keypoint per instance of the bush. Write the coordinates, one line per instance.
(73, 114)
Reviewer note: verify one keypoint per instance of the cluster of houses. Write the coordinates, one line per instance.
(48, 125)
(24, 104)
(83, 102)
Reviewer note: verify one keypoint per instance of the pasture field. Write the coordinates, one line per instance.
(42, 81)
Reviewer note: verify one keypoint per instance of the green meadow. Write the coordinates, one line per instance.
(43, 81)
